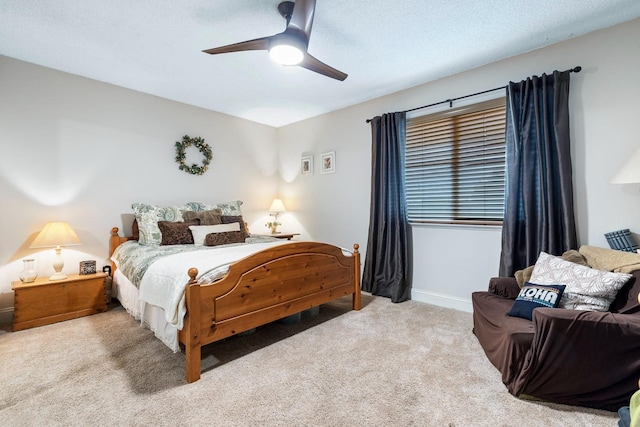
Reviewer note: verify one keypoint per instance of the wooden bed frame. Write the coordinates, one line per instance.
(261, 288)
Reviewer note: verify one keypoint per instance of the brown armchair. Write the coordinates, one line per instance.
(575, 357)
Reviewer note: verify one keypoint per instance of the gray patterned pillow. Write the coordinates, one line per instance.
(227, 208)
(212, 217)
(586, 288)
(148, 216)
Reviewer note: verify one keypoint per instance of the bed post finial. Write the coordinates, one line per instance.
(357, 297)
(193, 273)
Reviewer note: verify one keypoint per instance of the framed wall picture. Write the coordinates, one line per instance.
(306, 165)
(328, 162)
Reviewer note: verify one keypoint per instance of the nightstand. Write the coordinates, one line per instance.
(45, 301)
(288, 236)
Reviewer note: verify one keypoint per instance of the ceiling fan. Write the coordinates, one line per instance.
(290, 46)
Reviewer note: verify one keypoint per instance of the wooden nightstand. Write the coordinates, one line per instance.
(282, 235)
(45, 301)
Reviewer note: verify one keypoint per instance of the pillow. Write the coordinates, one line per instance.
(224, 238)
(228, 219)
(523, 276)
(586, 288)
(211, 217)
(532, 296)
(227, 208)
(200, 231)
(135, 231)
(147, 217)
(176, 233)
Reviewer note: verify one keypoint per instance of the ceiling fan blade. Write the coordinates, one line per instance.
(311, 63)
(256, 44)
(302, 16)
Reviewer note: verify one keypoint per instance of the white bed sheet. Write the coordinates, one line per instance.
(150, 316)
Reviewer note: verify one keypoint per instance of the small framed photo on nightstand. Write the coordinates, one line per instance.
(306, 165)
(328, 162)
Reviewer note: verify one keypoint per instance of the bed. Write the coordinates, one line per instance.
(273, 280)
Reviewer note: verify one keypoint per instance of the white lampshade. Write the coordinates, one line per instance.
(56, 234)
(629, 173)
(277, 206)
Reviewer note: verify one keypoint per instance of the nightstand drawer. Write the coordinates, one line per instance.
(44, 301)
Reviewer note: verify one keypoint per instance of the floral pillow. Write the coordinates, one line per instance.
(586, 288)
(227, 208)
(148, 216)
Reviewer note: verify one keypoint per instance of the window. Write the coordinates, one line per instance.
(455, 165)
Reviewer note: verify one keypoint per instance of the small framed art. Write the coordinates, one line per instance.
(306, 165)
(328, 162)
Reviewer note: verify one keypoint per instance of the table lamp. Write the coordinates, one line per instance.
(276, 207)
(56, 234)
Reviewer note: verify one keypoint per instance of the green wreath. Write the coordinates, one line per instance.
(203, 147)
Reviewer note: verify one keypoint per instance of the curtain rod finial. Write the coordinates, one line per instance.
(577, 69)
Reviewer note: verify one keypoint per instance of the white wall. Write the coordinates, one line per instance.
(451, 262)
(82, 151)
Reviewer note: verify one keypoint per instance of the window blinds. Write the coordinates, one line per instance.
(455, 165)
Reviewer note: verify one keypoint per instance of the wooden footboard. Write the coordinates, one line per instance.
(261, 288)
(264, 287)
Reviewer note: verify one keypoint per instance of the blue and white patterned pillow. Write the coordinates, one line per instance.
(586, 288)
(148, 216)
(227, 208)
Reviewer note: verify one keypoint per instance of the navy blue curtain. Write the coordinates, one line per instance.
(387, 262)
(539, 213)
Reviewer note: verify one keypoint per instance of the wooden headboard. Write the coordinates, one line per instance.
(114, 241)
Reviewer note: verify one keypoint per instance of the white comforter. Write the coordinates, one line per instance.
(165, 280)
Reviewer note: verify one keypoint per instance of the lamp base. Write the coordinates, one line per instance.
(58, 263)
(58, 276)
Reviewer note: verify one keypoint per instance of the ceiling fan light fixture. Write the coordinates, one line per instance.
(286, 54)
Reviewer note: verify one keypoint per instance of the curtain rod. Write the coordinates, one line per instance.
(576, 69)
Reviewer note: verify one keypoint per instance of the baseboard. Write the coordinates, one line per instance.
(6, 316)
(442, 300)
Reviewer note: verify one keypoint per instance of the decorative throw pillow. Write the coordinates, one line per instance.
(586, 288)
(532, 296)
(147, 217)
(176, 233)
(524, 275)
(200, 231)
(224, 238)
(227, 208)
(135, 231)
(229, 219)
(212, 217)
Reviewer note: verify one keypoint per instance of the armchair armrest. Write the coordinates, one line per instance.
(506, 287)
(585, 358)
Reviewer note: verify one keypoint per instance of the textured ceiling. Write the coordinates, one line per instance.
(154, 46)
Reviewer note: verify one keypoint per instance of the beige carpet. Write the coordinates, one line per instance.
(409, 364)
